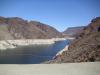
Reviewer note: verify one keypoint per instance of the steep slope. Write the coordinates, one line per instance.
(86, 48)
(18, 28)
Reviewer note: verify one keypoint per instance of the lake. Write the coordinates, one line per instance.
(32, 54)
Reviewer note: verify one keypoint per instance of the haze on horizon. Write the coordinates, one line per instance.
(57, 13)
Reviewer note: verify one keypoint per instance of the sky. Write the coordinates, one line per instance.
(60, 14)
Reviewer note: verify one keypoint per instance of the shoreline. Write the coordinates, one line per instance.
(65, 49)
(61, 51)
(6, 44)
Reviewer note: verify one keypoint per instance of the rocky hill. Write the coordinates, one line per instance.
(85, 48)
(18, 28)
(73, 31)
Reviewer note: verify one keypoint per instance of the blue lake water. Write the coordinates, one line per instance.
(33, 54)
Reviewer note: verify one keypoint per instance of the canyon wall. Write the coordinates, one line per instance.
(86, 46)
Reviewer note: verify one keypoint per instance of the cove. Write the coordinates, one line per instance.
(32, 54)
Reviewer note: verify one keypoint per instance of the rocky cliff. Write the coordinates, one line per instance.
(18, 28)
(85, 48)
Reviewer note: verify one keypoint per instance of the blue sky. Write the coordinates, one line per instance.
(57, 13)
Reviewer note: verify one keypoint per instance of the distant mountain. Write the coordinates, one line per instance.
(85, 48)
(73, 31)
(18, 28)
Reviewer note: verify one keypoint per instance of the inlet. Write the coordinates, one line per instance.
(31, 54)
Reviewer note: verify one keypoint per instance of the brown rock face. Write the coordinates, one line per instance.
(86, 48)
(18, 28)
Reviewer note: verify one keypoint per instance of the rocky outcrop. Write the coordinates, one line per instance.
(85, 48)
(17, 28)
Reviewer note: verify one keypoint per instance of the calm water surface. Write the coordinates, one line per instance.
(33, 54)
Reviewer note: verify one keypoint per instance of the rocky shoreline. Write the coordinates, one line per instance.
(6, 44)
(66, 47)
(60, 52)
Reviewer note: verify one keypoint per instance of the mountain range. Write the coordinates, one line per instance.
(74, 31)
(18, 28)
